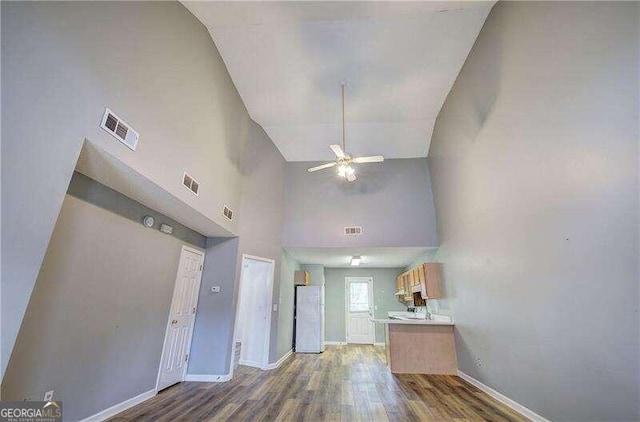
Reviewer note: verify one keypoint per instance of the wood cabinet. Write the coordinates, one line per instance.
(302, 278)
(427, 276)
(408, 296)
(432, 288)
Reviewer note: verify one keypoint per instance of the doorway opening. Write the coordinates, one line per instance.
(359, 308)
(253, 315)
(182, 315)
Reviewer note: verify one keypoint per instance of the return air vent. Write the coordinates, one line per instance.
(227, 212)
(190, 183)
(119, 129)
(353, 230)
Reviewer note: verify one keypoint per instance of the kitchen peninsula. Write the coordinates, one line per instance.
(419, 346)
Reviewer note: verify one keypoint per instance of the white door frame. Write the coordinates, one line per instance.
(166, 331)
(346, 305)
(265, 358)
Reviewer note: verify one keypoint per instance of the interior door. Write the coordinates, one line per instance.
(359, 299)
(177, 341)
(254, 311)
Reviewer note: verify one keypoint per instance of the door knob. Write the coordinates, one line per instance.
(175, 321)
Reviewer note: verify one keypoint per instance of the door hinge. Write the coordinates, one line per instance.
(186, 357)
(200, 267)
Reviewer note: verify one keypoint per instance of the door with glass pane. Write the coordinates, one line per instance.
(359, 301)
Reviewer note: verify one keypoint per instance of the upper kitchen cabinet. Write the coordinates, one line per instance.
(429, 274)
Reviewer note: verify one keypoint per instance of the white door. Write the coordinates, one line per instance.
(254, 310)
(177, 341)
(359, 300)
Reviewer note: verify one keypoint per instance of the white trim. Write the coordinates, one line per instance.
(369, 279)
(280, 361)
(265, 360)
(207, 378)
(252, 363)
(121, 407)
(379, 343)
(335, 343)
(503, 399)
(193, 323)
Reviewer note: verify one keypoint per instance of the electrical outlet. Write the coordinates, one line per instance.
(48, 396)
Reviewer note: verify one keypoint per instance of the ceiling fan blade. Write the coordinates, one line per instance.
(321, 167)
(351, 176)
(337, 150)
(371, 159)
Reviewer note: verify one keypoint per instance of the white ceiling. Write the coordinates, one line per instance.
(371, 257)
(398, 59)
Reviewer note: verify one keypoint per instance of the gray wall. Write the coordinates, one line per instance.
(316, 272)
(159, 71)
(534, 164)
(384, 286)
(95, 324)
(389, 200)
(260, 234)
(213, 330)
(285, 315)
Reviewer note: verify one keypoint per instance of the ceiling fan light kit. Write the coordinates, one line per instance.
(343, 160)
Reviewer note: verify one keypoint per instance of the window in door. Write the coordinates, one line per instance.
(359, 297)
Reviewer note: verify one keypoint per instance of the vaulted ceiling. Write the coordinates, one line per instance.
(398, 60)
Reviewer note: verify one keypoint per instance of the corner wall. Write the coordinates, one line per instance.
(534, 168)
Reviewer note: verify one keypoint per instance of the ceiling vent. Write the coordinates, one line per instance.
(190, 183)
(227, 212)
(353, 230)
(119, 129)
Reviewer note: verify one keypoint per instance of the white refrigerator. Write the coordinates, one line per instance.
(309, 317)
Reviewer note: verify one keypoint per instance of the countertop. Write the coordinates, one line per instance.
(410, 321)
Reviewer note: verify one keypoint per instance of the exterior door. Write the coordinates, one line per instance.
(359, 300)
(177, 341)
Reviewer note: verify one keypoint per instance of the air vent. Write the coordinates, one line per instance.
(190, 183)
(119, 129)
(227, 212)
(353, 230)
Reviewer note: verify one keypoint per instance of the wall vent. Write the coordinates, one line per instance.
(227, 212)
(353, 230)
(119, 129)
(190, 183)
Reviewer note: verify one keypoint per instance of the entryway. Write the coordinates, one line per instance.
(177, 340)
(253, 319)
(359, 307)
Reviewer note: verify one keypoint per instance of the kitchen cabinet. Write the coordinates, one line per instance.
(408, 295)
(432, 287)
(399, 283)
(426, 276)
(302, 278)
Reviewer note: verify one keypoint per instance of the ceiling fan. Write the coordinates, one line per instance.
(343, 160)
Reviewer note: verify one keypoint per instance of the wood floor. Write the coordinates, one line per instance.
(343, 383)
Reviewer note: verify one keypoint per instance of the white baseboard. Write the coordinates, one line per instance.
(121, 407)
(280, 361)
(379, 343)
(207, 377)
(335, 343)
(503, 399)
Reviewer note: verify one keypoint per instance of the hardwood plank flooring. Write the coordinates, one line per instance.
(345, 383)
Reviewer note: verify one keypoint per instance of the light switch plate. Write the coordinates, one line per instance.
(48, 396)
